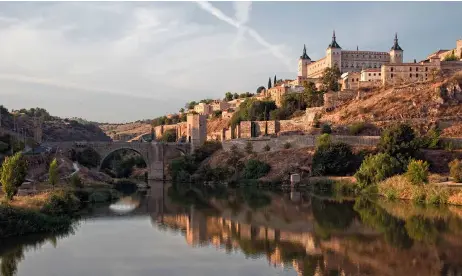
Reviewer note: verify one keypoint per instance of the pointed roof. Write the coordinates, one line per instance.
(396, 45)
(334, 43)
(304, 55)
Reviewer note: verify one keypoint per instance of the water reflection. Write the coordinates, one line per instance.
(299, 232)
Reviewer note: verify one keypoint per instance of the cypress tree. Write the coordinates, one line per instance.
(269, 83)
(274, 82)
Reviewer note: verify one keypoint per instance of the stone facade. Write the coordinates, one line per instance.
(347, 60)
(371, 74)
(219, 105)
(334, 99)
(409, 72)
(203, 109)
(196, 130)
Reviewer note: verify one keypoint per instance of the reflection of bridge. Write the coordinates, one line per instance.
(155, 154)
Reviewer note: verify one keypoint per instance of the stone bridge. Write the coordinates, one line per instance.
(155, 154)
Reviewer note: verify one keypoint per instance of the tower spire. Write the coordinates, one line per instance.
(304, 54)
(334, 43)
(395, 44)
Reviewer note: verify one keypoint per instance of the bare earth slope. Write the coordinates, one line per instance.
(420, 104)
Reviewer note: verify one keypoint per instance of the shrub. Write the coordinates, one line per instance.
(326, 129)
(391, 194)
(356, 128)
(248, 147)
(76, 182)
(12, 174)
(168, 136)
(399, 141)
(287, 145)
(455, 170)
(417, 172)
(431, 140)
(255, 169)
(376, 168)
(333, 159)
(206, 150)
(323, 140)
(266, 148)
(61, 203)
(449, 146)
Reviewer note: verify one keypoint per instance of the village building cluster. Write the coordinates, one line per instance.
(358, 68)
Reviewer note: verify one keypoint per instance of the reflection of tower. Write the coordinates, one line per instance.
(196, 232)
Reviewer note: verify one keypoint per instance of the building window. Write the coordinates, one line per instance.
(374, 74)
(392, 75)
(416, 75)
(410, 69)
(357, 79)
(380, 74)
(391, 69)
(410, 75)
(417, 69)
(426, 69)
(369, 74)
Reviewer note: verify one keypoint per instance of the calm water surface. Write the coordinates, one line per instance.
(177, 231)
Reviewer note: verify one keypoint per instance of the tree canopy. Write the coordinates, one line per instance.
(330, 78)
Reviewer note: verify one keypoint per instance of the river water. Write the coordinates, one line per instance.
(204, 231)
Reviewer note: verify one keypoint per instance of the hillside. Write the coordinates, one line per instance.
(54, 128)
(126, 131)
(422, 105)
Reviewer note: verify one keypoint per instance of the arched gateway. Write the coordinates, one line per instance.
(155, 154)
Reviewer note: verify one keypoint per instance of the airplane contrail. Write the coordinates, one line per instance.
(220, 15)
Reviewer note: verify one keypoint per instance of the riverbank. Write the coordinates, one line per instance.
(50, 211)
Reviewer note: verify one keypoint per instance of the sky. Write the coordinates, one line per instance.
(127, 61)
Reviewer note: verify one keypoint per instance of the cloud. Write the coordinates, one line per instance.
(242, 14)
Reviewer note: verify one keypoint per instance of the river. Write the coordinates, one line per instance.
(205, 231)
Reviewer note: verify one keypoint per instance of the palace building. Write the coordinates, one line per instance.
(346, 60)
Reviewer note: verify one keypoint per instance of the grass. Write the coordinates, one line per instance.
(399, 187)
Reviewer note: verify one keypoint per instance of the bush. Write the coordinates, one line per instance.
(266, 148)
(287, 145)
(323, 140)
(255, 169)
(61, 203)
(248, 147)
(326, 129)
(391, 194)
(12, 174)
(431, 140)
(169, 136)
(376, 168)
(417, 172)
(399, 141)
(53, 176)
(333, 159)
(356, 128)
(206, 150)
(76, 182)
(455, 170)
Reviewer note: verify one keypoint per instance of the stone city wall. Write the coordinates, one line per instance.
(334, 99)
(298, 141)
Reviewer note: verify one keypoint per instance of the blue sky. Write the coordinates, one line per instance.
(124, 61)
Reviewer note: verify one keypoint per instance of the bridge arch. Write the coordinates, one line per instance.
(106, 156)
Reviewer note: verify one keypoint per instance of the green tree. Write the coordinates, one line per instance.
(235, 96)
(12, 174)
(269, 83)
(274, 81)
(228, 96)
(53, 173)
(255, 169)
(417, 172)
(455, 170)
(330, 78)
(333, 159)
(399, 141)
(376, 168)
(169, 135)
(248, 147)
(181, 110)
(190, 105)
